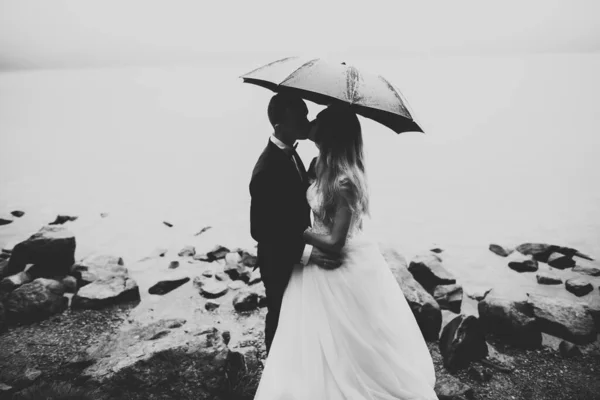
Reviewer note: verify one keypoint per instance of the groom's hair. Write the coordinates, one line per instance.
(279, 103)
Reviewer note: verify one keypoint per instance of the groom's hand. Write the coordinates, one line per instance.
(324, 260)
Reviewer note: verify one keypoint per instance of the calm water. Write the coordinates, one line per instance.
(510, 156)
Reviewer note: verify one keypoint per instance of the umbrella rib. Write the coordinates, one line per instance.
(268, 65)
(290, 76)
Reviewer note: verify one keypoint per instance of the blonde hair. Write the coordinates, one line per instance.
(340, 167)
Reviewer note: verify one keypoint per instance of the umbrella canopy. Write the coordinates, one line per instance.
(326, 83)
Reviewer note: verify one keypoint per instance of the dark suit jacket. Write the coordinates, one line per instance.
(279, 212)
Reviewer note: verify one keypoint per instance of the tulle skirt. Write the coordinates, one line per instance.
(347, 334)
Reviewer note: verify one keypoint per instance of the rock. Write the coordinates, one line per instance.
(245, 301)
(564, 319)
(201, 356)
(201, 257)
(220, 276)
(61, 219)
(97, 267)
(499, 361)
(174, 264)
(479, 373)
(159, 252)
(510, 321)
(217, 253)
(105, 292)
(6, 220)
(436, 250)
(568, 350)
(248, 260)
(478, 293)
(579, 286)
(238, 272)
(462, 341)
(211, 305)
(548, 279)
(36, 300)
(449, 297)
(429, 272)
(17, 213)
(448, 387)
(236, 285)
(591, 271)
(594, 310)
(103, 215)
(524, 265)
(5, 389)
(51, 250)
(210, 288)
(233, 258)
(187, 251)
(259, 289)
(175, 323)
(500, 250)
(255, 277)
(201, 231)
(226, 335)
(424, 307)
(208, 274)
(3, 265)
(542, 251)
(164, 287)
(70, 283)
(12, 282)
(170, 225)
(560, 261)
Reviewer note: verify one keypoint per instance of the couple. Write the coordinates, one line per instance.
(338, 325)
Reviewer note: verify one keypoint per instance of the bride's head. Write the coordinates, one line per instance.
(340, 168)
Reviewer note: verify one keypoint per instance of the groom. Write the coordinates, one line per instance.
(279, 212)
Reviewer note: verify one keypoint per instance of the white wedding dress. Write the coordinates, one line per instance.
(348, 333)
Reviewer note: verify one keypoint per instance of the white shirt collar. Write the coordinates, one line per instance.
(279, 143)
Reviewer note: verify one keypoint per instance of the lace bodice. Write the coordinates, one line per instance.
(315, 200)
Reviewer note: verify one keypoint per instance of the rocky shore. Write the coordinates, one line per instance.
(189, 323)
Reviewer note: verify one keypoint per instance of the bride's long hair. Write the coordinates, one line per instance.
(340, 167)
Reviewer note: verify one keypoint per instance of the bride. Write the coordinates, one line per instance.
(346, 333)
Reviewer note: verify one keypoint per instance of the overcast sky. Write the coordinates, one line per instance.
(75, 33)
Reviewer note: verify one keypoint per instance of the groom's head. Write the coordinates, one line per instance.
(289, 116)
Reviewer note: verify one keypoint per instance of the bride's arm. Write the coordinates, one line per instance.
(336, 240)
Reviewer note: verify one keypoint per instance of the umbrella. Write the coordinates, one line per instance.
(326, 83)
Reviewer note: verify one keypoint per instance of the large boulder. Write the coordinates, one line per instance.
(579, 286)
(98, 267)
(160, 357)
(510, 321)
(424, 307)
(564, 319)
(105, 292)
(36, 300)
(10, 283)
(449, 297)
(462, 341)
(51, 250)
(429, 272)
